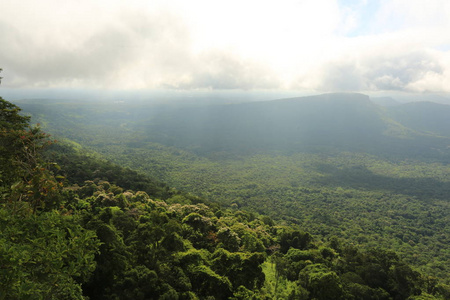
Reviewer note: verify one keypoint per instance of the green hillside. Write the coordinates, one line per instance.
(336, 164)
(68, 233)
(329, 122)
(425, 117)
(343, 122)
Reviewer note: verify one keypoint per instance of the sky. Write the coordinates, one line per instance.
(241, 45)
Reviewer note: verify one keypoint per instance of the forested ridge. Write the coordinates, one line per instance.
(345, 167)
(87, 228)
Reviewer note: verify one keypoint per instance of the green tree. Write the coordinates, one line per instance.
(12, 126)
(242, 269)
(25, 176)
(44, 256)
(321, 282)
(295, 239)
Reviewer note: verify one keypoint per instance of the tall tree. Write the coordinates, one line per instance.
(24, 175)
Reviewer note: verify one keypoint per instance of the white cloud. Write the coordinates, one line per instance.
(377, 65)
(413, 14)
(315, 45)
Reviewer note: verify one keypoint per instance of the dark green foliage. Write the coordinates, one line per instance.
(321, 282)
(205, 283)
(151, 246)
(138, 283)
(79, 167)
(46, 256)
(12, 126)
(297, 171)
(25, 176)
(151, 239)
(105, 241)
(241, 269)
(294, 239)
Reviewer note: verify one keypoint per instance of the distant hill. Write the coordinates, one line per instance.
(385, 101)
(280, 124)
(426, 117)
(330, 121)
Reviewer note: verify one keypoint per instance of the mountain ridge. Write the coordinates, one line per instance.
(350, 121)
(424, 116)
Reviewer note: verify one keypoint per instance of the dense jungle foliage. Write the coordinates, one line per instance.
(91, 229)
(335, 165)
